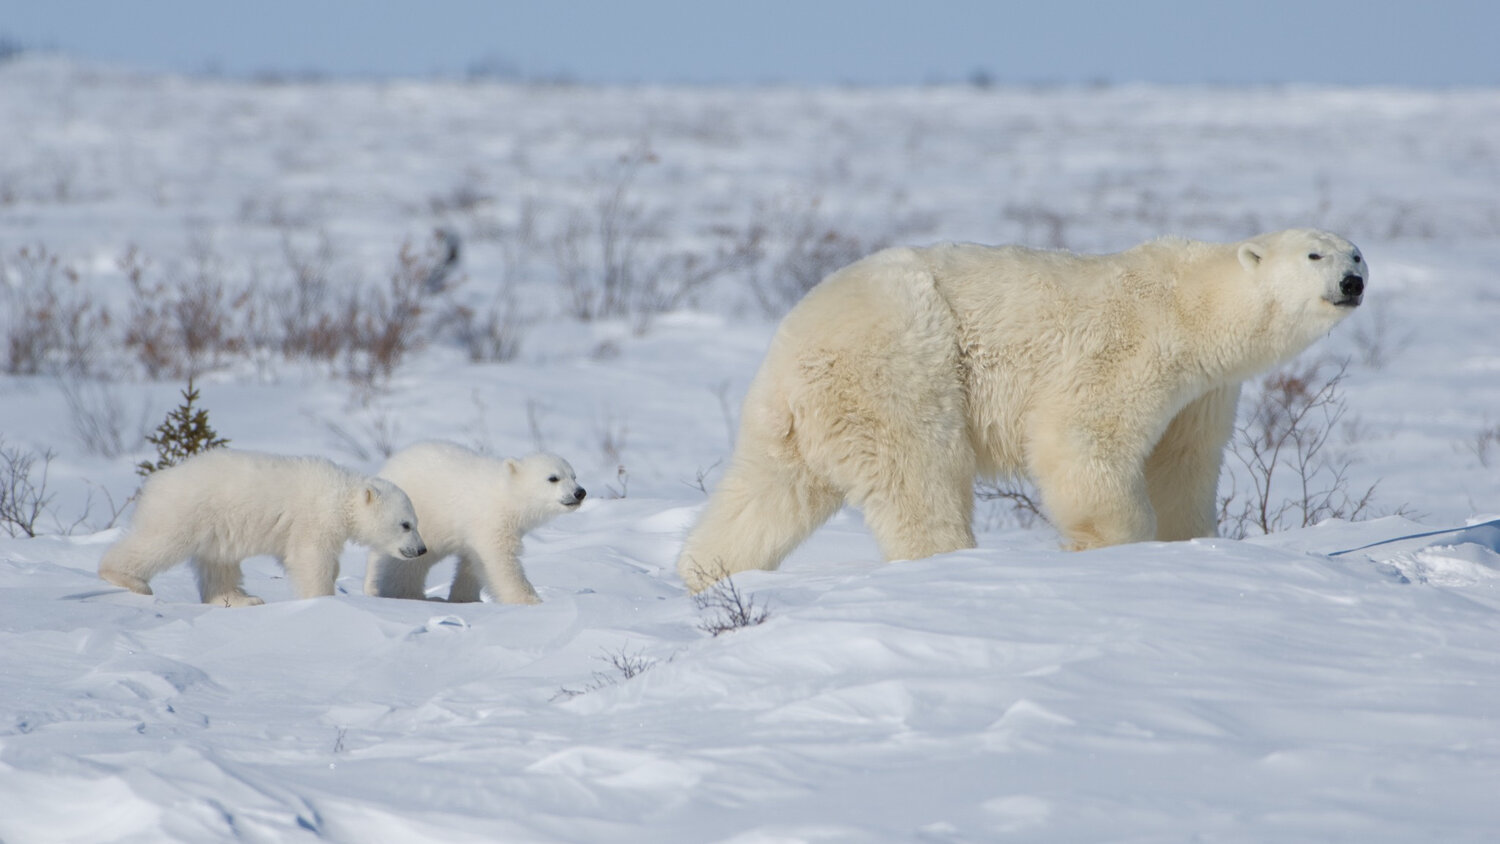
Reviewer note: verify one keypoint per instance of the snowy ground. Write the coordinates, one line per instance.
(1262, 690)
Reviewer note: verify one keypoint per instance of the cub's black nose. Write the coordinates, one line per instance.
(579, 493)
(1352, 285)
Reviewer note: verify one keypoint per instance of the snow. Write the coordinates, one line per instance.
(1335, 682)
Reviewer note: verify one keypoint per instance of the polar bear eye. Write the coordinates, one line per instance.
(406, 526)
(552, 479)
(1356, 259)
(1313, 256)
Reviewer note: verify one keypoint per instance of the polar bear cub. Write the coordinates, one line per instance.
(477, 508)
(221, 506)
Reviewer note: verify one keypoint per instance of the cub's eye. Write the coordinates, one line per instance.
(552, 480)
(1313, 256)
(406, 525)
(1356, 259)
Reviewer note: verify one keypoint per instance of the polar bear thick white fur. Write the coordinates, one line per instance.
(477, 508)
(1110, 380)
(221, 506)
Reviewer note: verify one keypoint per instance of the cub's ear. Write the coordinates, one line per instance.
(513, 466)
(371, 493)
(1250, 255)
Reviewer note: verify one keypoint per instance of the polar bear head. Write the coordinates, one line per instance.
(385, 521)
(1303, 282)
(545, 484)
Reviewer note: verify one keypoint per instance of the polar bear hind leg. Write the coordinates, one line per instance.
(913, 481)
(1095, 496)
(762, 509)
(312, 569)
(138, 557)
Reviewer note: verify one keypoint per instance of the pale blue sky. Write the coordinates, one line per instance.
(1434, 42)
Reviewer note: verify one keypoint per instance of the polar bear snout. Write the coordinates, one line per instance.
(411, 552)
(578, 495)
(1351, 291)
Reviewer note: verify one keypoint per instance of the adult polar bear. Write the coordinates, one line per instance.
(1111, 380)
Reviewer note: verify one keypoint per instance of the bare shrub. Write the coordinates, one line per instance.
(442, 262)
(1040, 225)
(147, 330)
(801, 247)
(1287, 469)
(677, 277)
(97, 414)
(308, 328)
(725, 607)
(50, 325)
(491, 337)
(610, 264)
(375, 438)
(534, 413)
(181, 327)
(1485, 442)
(23, 500)
(385, 324)
(466, 196)
(625, 666)
(700, 479)
(621, 487)
(1015, 501)
(612, 432)
(115, 510)
(726, 409)
(1376, 338)
(599, 260)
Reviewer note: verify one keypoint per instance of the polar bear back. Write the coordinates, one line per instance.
(452, 488)
(464, 498)
(245, 503)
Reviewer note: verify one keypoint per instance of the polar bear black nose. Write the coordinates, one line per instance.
(1352, 285)
(579, 493)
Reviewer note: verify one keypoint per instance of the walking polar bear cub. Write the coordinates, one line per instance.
(222, 506)
(1111, 380)
(475, 507)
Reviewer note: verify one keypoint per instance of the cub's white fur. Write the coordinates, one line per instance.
(475, 507)
(221, 506)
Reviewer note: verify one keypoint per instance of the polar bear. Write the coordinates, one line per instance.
(477, 508)
(1110, 380)
(221, 506)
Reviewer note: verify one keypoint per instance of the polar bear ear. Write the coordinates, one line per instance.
(371, 494)
(1250, 255)
(513, 466)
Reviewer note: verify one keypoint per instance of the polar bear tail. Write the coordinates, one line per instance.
(761, 510)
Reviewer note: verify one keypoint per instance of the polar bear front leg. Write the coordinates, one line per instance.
(502, 568)
(313, 570)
